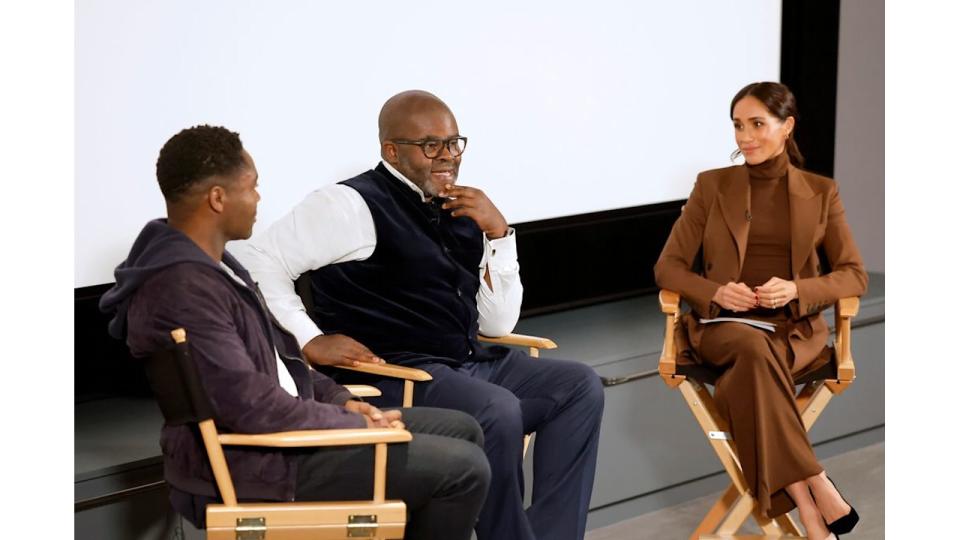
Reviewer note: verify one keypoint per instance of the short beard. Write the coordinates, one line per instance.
(427, 187)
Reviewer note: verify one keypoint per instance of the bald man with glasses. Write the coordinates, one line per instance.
(407, 266)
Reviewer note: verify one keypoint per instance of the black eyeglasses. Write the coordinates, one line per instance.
(432, 148)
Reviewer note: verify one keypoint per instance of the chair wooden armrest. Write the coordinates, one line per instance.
(318, 437)
(363, 390)
(844, 312)
(670, 306)
(407, 374)
(669, 301)
(391, 370)
(520, 340)
(848, 307)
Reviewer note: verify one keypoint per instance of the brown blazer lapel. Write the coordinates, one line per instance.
(805, 207)
(734, 198)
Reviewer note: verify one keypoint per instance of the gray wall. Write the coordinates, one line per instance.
(859, 164)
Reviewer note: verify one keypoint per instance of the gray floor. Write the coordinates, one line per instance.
(859, 473)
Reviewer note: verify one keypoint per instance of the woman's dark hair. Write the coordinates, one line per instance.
(195, 154)
(779, 101)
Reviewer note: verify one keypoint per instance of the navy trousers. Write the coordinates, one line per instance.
(560, 400)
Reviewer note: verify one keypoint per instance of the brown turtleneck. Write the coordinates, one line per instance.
(768, 244)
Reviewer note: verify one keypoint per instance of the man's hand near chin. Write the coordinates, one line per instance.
(473, 203)
(338, 350)
(375, 417)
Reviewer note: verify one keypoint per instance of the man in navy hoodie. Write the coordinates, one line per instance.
(178, 274)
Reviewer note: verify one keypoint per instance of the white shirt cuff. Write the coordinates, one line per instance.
(302, 327)
(501, 253)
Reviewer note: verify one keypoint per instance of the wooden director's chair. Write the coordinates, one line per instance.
(409, 375)
(732, 509)
(176, 384)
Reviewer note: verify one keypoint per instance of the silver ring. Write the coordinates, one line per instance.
(774, 302)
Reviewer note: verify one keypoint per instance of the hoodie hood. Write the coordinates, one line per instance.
(157, 247)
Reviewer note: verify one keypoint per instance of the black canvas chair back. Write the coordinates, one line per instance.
(176, 384)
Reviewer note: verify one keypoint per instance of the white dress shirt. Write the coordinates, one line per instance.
(283, 374)
(334, 225)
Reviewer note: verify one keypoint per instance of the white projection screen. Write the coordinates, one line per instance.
(570, 107)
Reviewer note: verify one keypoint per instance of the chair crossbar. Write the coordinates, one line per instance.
(717, 512)
(750, 537)
(768, 526)
(788, 525)
(337, 519)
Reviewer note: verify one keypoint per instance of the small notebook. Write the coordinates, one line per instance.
(763, 325)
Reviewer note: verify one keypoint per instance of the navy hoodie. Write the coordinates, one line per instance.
(168, 282)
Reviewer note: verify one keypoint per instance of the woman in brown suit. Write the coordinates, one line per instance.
(758, 228)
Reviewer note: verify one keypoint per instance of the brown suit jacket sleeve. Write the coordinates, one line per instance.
(674, 267)
(847, 276)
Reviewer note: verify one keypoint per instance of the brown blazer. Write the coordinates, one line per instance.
(716, 218)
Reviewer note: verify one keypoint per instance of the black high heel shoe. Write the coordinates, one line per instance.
(846, 523)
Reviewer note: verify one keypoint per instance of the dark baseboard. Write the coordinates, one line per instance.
(585, 259)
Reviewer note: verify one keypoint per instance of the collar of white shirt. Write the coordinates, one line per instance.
(283, 372)
(405, 180)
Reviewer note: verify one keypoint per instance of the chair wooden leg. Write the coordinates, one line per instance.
(788, 525)
(738, 515)
(218, 462)
(717, 512)
(769, 526)
(819, 396)
(534, 353)
(701, 404)
(380, 473)
(803, 398)
(408, 393)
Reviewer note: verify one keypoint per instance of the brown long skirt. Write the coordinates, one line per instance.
(756, 395)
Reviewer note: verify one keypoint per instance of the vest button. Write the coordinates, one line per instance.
(470, 352)
(459, 293)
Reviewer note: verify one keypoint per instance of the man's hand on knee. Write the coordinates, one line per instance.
(375, 417)
(338, 350)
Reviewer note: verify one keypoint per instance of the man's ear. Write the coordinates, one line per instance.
(215, 198)
(388, 151)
